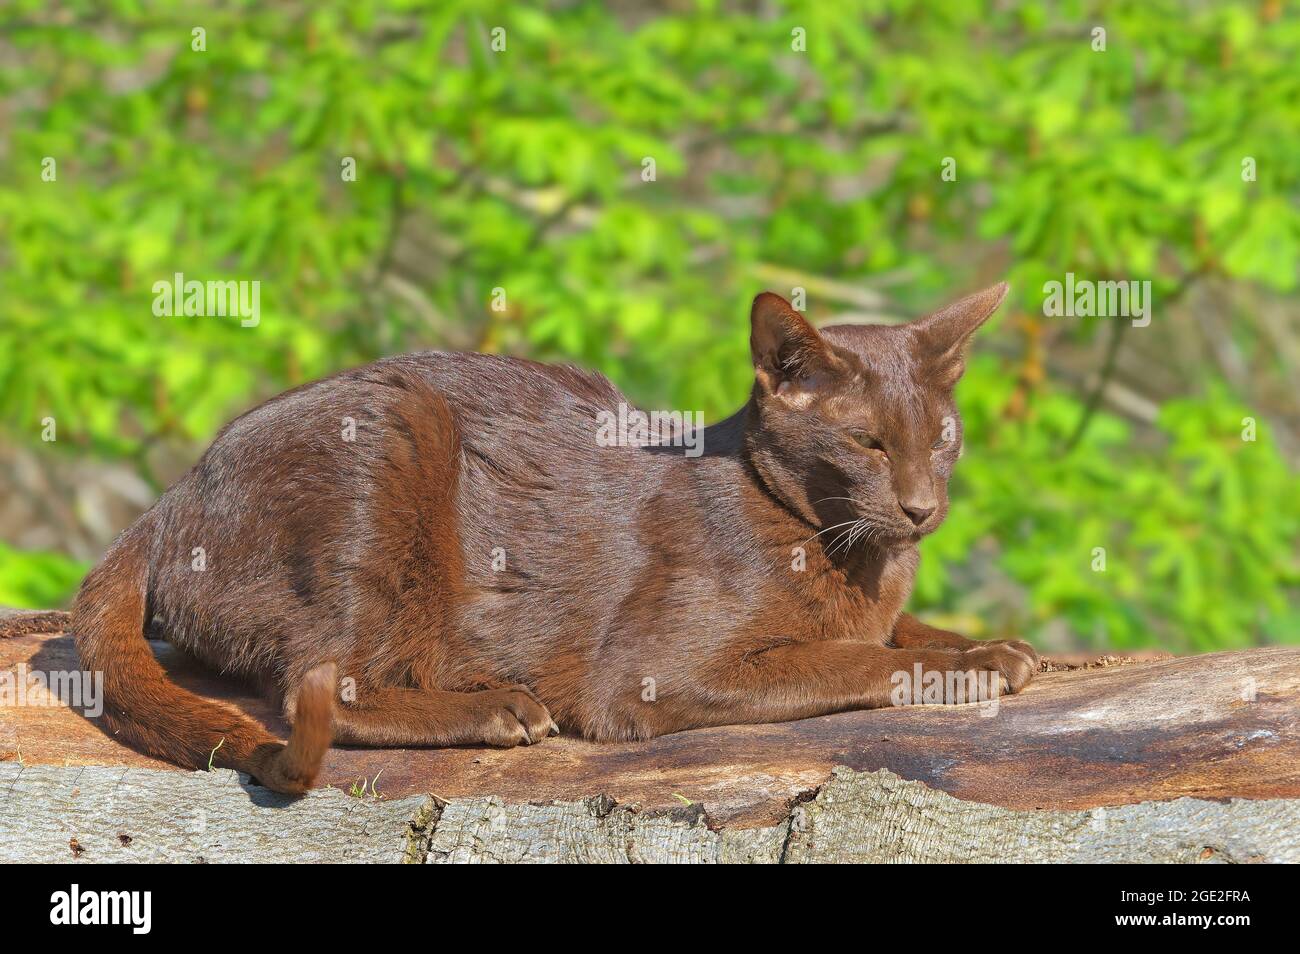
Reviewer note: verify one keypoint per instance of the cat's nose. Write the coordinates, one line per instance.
(918, 511)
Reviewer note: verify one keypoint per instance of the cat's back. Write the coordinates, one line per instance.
(519, 422)
(492, 398)
(487, 391)
(530, 435)
(474, 451)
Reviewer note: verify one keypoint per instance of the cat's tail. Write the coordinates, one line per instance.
(147, 711)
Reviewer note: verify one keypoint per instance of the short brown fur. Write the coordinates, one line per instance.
(471, 566)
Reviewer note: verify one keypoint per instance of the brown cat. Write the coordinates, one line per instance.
(443, 537)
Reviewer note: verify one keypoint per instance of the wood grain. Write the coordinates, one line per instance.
(1212, 727)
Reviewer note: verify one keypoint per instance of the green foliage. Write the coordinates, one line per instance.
(521, 170)
(1192, 554)
(37, 580)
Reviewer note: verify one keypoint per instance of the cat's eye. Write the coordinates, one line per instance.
(863, 439)
(938, 443)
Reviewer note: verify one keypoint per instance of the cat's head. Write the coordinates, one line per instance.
(855, 425)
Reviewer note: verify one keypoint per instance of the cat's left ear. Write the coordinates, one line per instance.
(941, 337)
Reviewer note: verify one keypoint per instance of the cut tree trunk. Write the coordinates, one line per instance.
(1195, 758)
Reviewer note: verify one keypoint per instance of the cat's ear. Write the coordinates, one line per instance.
(941, 337)
(791, 359)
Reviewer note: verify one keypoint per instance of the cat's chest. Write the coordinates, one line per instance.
(863, 603)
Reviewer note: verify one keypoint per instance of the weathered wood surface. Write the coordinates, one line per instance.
(105, 815)
(1209, 727)
(874, 817)
(99, 815)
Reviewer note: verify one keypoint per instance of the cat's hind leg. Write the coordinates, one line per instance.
(419, 717)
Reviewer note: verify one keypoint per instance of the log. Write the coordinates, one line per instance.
(1195, 758)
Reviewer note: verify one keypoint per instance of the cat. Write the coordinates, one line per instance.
(436, 550)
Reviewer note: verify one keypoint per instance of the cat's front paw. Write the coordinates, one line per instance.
(1014, 661)
(1020, 646)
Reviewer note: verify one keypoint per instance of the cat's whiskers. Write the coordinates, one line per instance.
(830, 551)
(856, 533)
(849, 534)
(859, 530)
(863, 531)
(828, 530)
(870, 533)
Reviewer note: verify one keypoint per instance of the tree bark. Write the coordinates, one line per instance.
(1185, 759)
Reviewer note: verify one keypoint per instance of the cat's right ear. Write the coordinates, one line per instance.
(791, 360)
